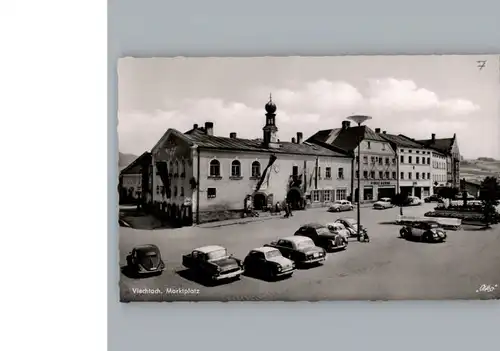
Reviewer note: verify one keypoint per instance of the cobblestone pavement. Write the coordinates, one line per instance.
(386, 268)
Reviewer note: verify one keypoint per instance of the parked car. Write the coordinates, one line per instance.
(299, 249)
(383, 204)
(322, 236)
(414, 201)
(460, 196)
(268, 262)
(340, 205)
(426, 231)
(338, 228)
(351, 225)
(145, 259)
(434, 198)
(213, 262)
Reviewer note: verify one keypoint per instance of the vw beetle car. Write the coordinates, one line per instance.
(299, 249)
(338, 228)
(383, 204)
(145, 259)
(268, 262)
(340, 205)
(434, 198)
(213, 262)
(351, 225)
(322, 236)
(426, 231)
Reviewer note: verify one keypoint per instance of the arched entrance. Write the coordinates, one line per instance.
(259, 201)
(294, 197)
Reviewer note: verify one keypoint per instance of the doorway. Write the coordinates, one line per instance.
(259, 201)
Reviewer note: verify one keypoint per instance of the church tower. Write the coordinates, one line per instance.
(270, 129)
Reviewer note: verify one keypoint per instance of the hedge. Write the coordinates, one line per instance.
(479, 217)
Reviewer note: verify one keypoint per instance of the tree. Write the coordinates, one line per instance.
(448, 193)
(489, 197)
(400, 199)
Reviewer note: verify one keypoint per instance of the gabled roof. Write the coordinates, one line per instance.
(443, 145)
(345, 139)
(402, 141)
(200, 138)
(135, 166)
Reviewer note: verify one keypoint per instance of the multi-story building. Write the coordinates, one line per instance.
(415, 165)
(439, 170)
(130, 179)
(378, 164)
(449, 148)
(202, 177)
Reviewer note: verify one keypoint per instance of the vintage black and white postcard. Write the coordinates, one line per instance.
(309, 178)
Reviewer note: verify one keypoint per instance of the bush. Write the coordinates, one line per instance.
(460, 208)
(468, 216)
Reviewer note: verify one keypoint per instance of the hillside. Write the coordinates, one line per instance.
(477, 170)
(125, 159)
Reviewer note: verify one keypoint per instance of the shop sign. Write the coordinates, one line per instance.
(380, 183)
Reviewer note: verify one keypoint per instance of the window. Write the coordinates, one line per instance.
(328, 172)
(380, 160)
(214, 168)
(387, 161)
(394, 160)
(175, 191)
(402, 150)
(341, 194)
(409, 175)
(402, 159)
(372, 174)
(373, 159)
(417, 175)
(383, 146)
(176, 169)
(423, 175)
(428, 160)
(357, 159)
(365, 174)
(315, 195)
(357, 174)
(236, 169)
(380, 175)
(341, 173)
(255, 169)
(326, 195)
(417, 152)
(183, 168)
(295, 171)
(393, 175)
(428, 175)
(365, 160)
(211, 193)
(368, 145)
(182, 191)
(417, 160)
(409, 159)
(319, 172)
(386, 175)
(402, 175)
(157, 189)
(409, 151)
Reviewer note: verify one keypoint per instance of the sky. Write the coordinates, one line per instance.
(411, 95)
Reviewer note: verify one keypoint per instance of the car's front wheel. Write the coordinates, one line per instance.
(402, 233)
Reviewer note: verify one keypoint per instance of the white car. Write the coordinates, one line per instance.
(341, 205)
(383, 203)
(414, 201)
(338, 228)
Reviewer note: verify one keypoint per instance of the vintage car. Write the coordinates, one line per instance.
(338, 228)
(340, 205)
(351, 225)
(145, 259)
(434, 198)
(426, 231)
(383, 204)
(268, 262)
(323, 237)
(299, 249)
(213, 262)
(414, 201)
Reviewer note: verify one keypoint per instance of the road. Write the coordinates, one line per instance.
(387, 268)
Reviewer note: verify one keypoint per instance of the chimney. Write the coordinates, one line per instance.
(433, 137)
(384, 132)
(232, 135)
(377, 130)
(346, 124)
(209, 128)
(300, 136)
(195, 126)
(293, 140)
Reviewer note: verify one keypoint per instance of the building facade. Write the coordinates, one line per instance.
(449, 148)
(130, 180)
(200, 177)
(377, 163)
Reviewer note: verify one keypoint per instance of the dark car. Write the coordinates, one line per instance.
(426, 231)
(268, 262)
(434, 198)
(299, 249)
(145, 259)
(213, 262)
(322, 236)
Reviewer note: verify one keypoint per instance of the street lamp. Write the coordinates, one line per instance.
(359, 119)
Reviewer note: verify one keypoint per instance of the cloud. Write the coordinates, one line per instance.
(405, 96)
(399, 106)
